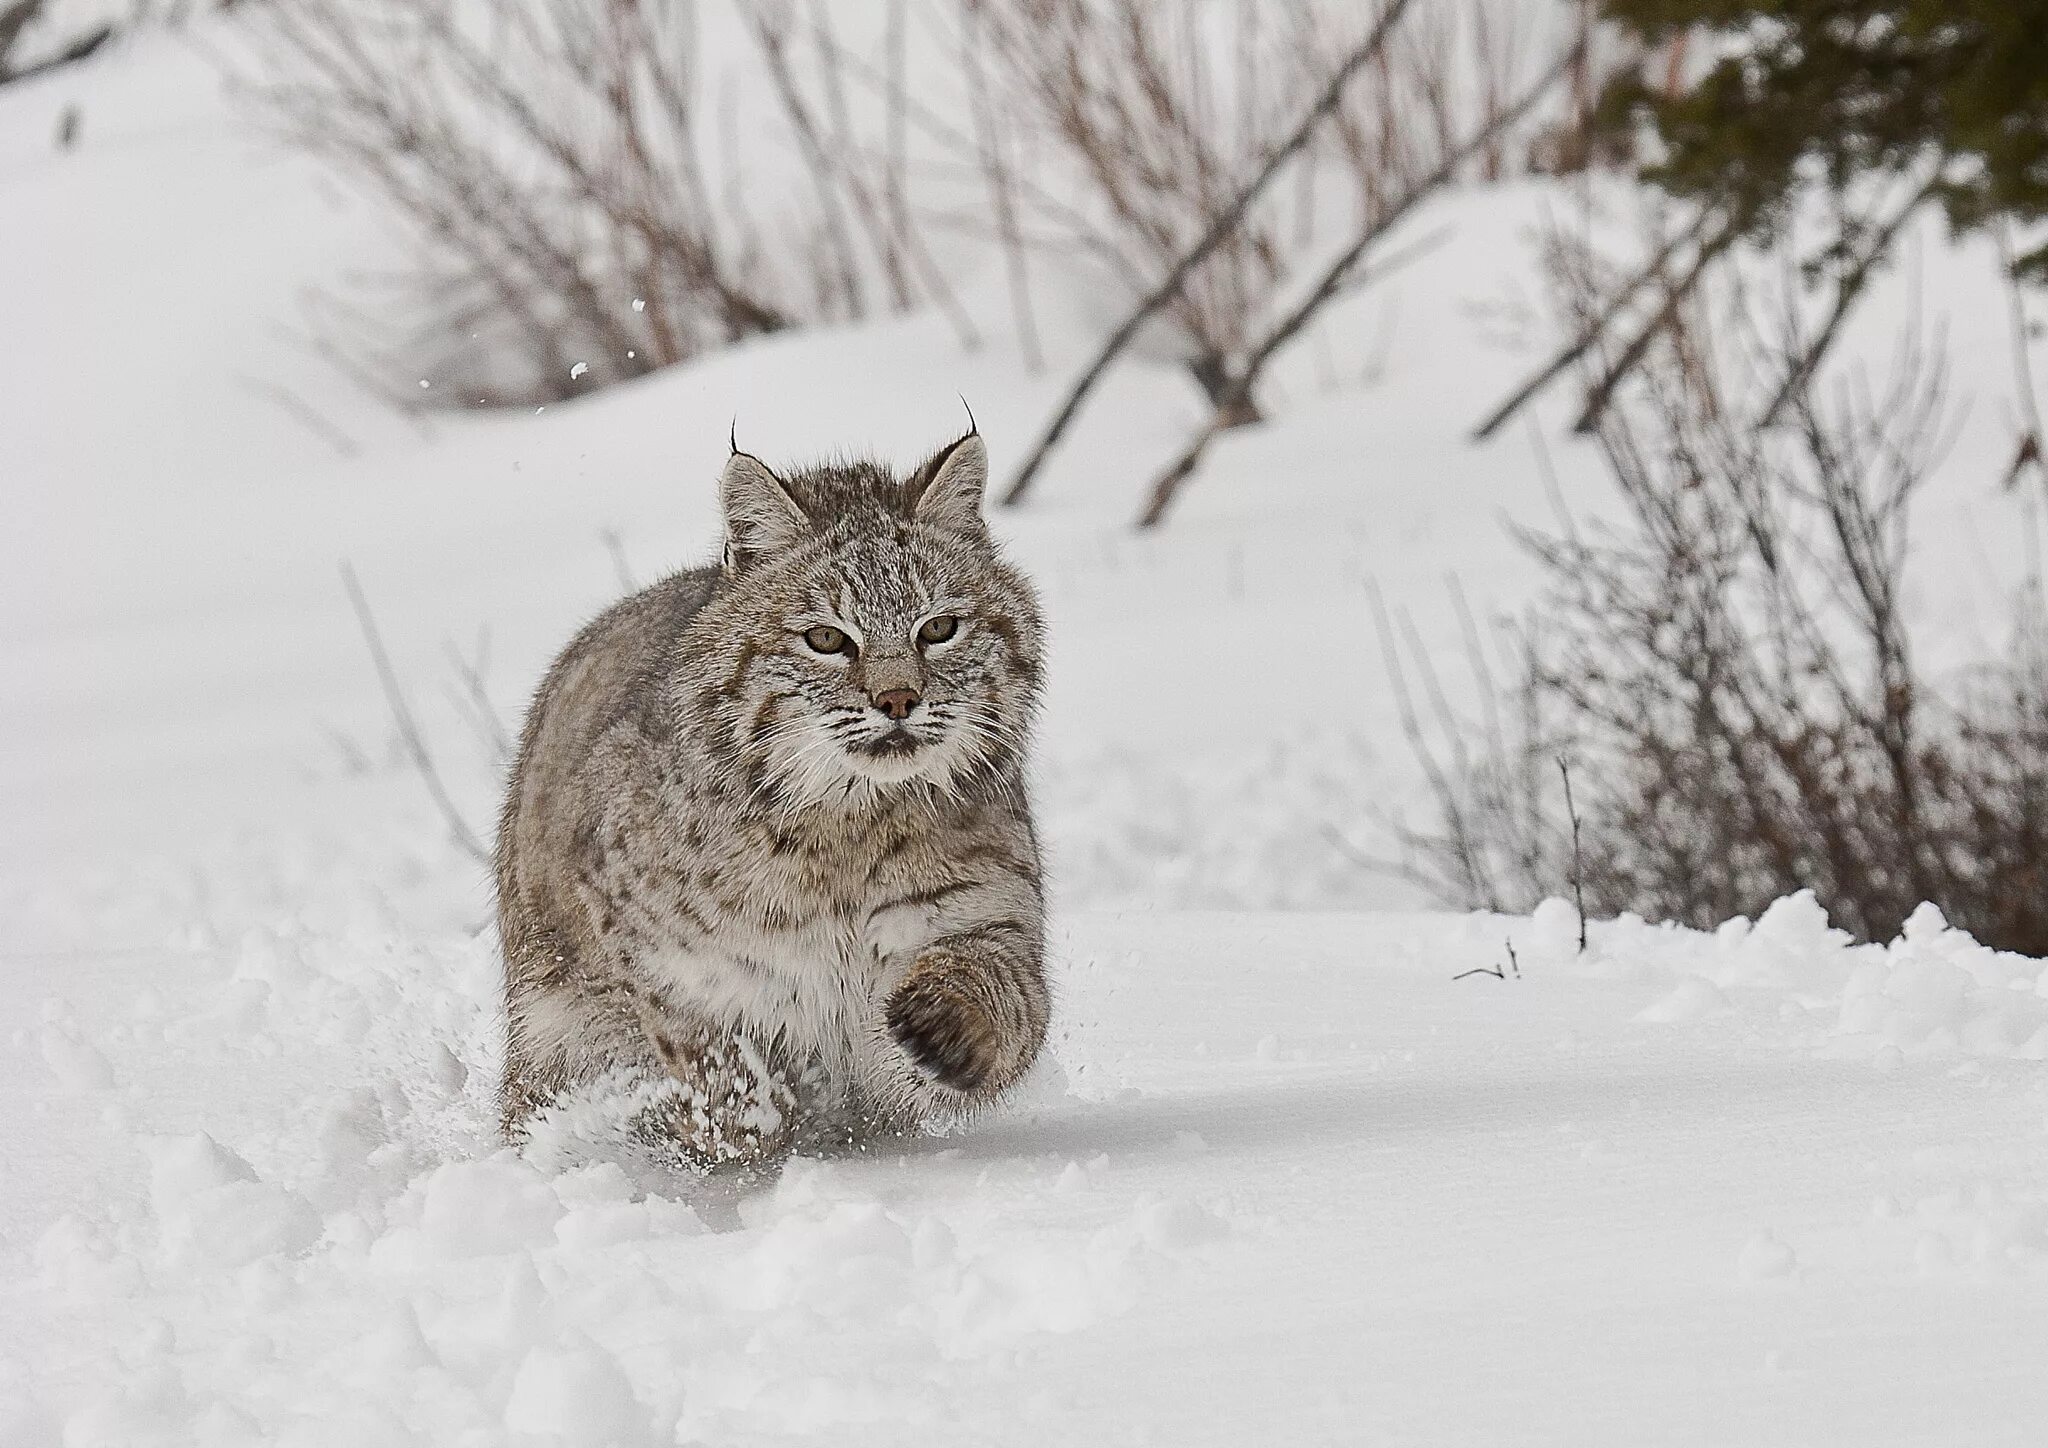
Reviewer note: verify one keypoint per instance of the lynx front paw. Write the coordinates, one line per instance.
(946, 1036)
(732, 1106)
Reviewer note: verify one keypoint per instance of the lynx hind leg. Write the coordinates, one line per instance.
(554, 1042)
(735, 1103)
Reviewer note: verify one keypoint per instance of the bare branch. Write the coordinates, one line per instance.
(409, 734)
(2033, 437)
(1578, 856)
(1498, 972)
(1336, 277)
(1594, 329)
(1220, 230)
(1855, 277)
(1602, 392)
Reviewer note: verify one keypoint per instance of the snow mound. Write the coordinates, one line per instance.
(1933, 992)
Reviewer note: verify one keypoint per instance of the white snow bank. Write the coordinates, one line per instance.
(1934, 991)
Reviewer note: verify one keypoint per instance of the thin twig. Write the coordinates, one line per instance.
(1498, 972)
(408, 727)
(474, 698)
(1462, 839)
(1578, 860)
(315, 421)
(1602, 392)
(1002, 192)
(771, 37)
(1851, 286)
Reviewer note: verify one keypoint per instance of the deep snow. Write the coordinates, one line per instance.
(1285, 1178)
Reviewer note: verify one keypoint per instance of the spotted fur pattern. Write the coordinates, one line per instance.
(726, 863)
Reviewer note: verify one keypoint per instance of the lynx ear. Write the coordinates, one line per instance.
(951, 485)
(760, 516)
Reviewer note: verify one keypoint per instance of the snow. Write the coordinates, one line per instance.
(1288, 1170)
(1290, 1173)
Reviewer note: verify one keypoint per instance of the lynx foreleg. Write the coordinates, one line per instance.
(736, 1102)
(971, 1013)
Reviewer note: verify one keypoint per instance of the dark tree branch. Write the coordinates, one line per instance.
(14, 19)
(1219, 231)
(1602, 391)
(1593, 330)
(1336, 278)
(76, 51)
(2033, 436)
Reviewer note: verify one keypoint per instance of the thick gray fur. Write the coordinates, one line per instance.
(726, 869)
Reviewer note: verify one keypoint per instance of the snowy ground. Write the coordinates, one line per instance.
(1289, 1180)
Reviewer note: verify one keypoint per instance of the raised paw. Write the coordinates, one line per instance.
(946, 1036)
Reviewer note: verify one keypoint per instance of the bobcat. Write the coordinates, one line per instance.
(767, 847)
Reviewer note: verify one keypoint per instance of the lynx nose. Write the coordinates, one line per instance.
(896, 703)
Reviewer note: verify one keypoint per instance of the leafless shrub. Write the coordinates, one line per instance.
(558, 161)
(1217, 231)
(1700, 241)
(1364, 257)
(1158, 116)
(860, 185)
(1729, 672)
(1171, 133)
(1140, 113)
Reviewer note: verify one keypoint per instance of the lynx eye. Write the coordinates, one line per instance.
(938, 630)
(826, 639)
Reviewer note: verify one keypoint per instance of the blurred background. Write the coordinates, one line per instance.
(1457, 395)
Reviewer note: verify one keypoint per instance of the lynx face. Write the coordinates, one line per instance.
(886, 641)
